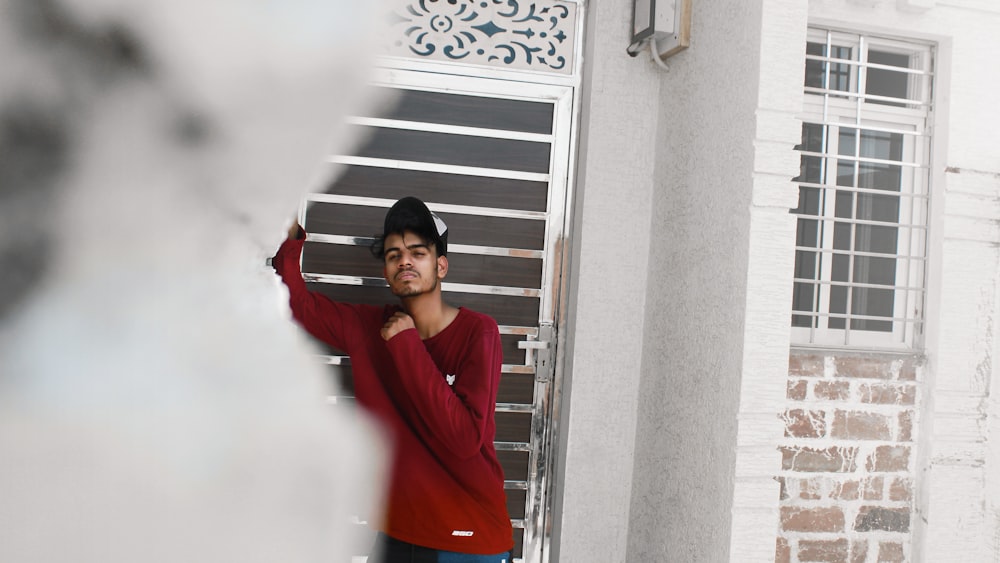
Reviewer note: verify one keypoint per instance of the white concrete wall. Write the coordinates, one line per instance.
(766, 326)
(958, 501)
(603, 335)
(678, 331)
(716, 341)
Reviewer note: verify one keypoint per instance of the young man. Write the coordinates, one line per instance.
(429, 372)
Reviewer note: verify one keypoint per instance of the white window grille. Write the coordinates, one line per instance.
(860, 251)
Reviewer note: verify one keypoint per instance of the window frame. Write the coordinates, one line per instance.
(835, 110)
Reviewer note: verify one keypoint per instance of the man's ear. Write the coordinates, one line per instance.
(442, 267)
(385, 272)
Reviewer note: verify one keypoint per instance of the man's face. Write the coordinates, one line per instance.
(412, 266)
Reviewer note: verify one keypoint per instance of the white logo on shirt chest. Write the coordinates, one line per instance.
(450, 379)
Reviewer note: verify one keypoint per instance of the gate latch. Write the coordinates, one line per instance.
(540, 350)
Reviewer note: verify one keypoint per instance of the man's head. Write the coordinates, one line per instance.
(413, 247)
(410, 214)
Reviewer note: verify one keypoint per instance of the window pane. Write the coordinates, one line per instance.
(841, 264)
(810, 170)
(879, 176)
(802, 321)
(876, 238)
(807, 233)
(885, 82)
(812, 137)
(871, 302)
(842, 237)
(805, 266)
(838, 305)
(802, 300)
(804, 294)
(815, 70)
(845, 174)
(873, 207)
(874, 144)
(871, 269)
(845, 205)
(881, 145)
(839, 73)
(846, 141)
(846, 144)
(808, 201)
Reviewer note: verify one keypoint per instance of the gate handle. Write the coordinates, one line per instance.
(532, 345)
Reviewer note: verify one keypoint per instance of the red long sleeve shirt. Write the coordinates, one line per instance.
(437, 398)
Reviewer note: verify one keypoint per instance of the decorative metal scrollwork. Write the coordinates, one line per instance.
(536, 35)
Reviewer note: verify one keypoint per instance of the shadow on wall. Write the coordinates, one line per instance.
(155, 402)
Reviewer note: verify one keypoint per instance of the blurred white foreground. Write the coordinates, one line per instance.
(155, 402)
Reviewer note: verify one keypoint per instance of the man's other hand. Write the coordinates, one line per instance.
(396, 324)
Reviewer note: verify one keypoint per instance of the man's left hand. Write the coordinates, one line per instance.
(396, 324)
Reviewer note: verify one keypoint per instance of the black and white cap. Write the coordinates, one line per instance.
(410, 214)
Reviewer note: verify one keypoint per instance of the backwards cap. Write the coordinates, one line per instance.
(410, 214)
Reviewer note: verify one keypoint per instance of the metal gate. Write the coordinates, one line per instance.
(491, 157)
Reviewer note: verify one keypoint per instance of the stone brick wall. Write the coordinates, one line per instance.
(847, 477)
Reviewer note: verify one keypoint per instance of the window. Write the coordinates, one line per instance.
(860, 249)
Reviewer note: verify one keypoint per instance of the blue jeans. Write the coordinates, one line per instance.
(391, 550)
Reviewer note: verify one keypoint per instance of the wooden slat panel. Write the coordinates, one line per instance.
(322, 258)
(516, 503)
(363, 221)
(439, 188)
(516, 388)
(472, 111)
(495, 231)
(445, 148)
(513, 427)
(515, 465)
(455, 189)
(506, 310)
(511, 353)
(346, 260)
(504, 271)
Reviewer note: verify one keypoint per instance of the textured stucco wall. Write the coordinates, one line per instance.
(603, 333)
(717, 305)
(681, 273)
(958, 497)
